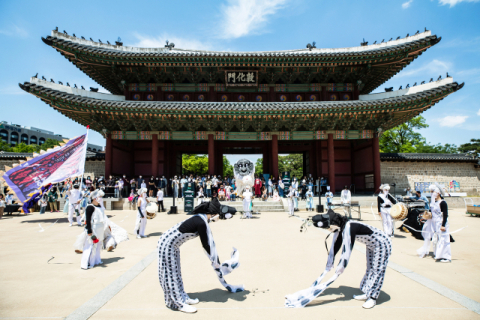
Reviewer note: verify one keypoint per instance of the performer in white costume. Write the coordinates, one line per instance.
(309, 196)
(291, 202)
(329, 196)
(200, 196)
(346, 197)
(247, 200)
(437, 227)
(378, 251)
(169, 267)
(141, 222)
(385, 201)
(94, 229)
(74, 197)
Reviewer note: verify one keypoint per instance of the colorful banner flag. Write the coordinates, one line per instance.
(49, 168)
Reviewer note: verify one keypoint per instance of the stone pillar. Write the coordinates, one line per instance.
(211, 155)
(331, 162)
(154, 155)
(377, 178)
(275, 155)
(108, 156)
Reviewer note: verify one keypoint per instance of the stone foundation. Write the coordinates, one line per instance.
(405, 174)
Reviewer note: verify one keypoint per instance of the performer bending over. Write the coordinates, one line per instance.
(141, 222)
(169, 268)
(247, 201)
(437, 226)
(385, 202)
(95, 226)
(379, 249)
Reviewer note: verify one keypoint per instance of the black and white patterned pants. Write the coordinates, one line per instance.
(379, 249)
(169, 268)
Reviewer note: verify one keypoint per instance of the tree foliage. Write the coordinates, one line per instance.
(292, 163)
(227, 168)
(259, 166)
(28, 148)
(472, 147)
(404, 139)
(194, 164)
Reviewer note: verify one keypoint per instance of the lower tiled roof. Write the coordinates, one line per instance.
(447, 157)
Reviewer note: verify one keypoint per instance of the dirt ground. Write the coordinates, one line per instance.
(40, 273)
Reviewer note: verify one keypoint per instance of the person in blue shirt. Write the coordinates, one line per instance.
(418, 196)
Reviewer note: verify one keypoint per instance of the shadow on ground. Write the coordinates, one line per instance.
(344, 293)
(219, 295)
(108, 261)
(155, 234)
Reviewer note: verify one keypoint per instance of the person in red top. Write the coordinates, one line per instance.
(258, 187)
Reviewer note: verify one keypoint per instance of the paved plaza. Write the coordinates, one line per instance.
(41, 275)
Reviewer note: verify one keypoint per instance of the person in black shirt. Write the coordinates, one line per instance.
(169, 269)
(379, 249)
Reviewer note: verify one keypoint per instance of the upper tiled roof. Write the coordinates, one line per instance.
(463, 157)
(107, 49)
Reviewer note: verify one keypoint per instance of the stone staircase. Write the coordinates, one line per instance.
(258, 205)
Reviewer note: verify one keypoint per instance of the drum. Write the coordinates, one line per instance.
(427, 215)
(399, 211)
(152, 209)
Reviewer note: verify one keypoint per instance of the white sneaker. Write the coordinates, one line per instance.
(70, 225)
(192, 301)
(362, 297)
(188, 309)
(369, 304)
(138, 237)
(445, 260)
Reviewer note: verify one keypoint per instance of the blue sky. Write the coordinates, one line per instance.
(241, 25)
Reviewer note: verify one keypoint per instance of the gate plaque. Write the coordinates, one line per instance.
(241, 78)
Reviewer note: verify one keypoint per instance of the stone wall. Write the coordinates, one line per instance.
(405, 174)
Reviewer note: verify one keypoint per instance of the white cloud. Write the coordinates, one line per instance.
(452, 3)
(159, 41)
(432, 69)
(407, 4)
(244, 17)
(14, 30)
(452, 121)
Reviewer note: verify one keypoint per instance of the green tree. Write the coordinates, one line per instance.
(403, 138)
(26, 148)
(227, 168)
(5, 146)
(292, 163)
(472, 147)
(439, 148)
(50, 143)
(194, 164)
(259, 167)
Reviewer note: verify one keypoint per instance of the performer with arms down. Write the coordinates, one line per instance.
(385, 201)
(379, 249)
(169, 268)
(141, 222)
(95, 227)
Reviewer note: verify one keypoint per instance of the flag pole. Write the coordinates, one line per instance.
(83, 173)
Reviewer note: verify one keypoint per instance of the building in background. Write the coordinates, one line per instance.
(14, 134)
(166, 102)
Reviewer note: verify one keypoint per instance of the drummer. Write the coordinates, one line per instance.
(385, 201)
(418, 197)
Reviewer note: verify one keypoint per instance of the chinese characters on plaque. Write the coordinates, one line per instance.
(241, 78)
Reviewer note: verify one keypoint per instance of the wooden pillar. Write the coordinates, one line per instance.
(266, 160)
(275, 156)
(154, 155)
(377, 178)
(211, 155)
(331, 162)
(108, 156)
(313, 160)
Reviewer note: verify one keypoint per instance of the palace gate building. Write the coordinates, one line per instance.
(165, 102)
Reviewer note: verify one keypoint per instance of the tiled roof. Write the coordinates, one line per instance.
(447, 157)
(236, 106)
(93, 47)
